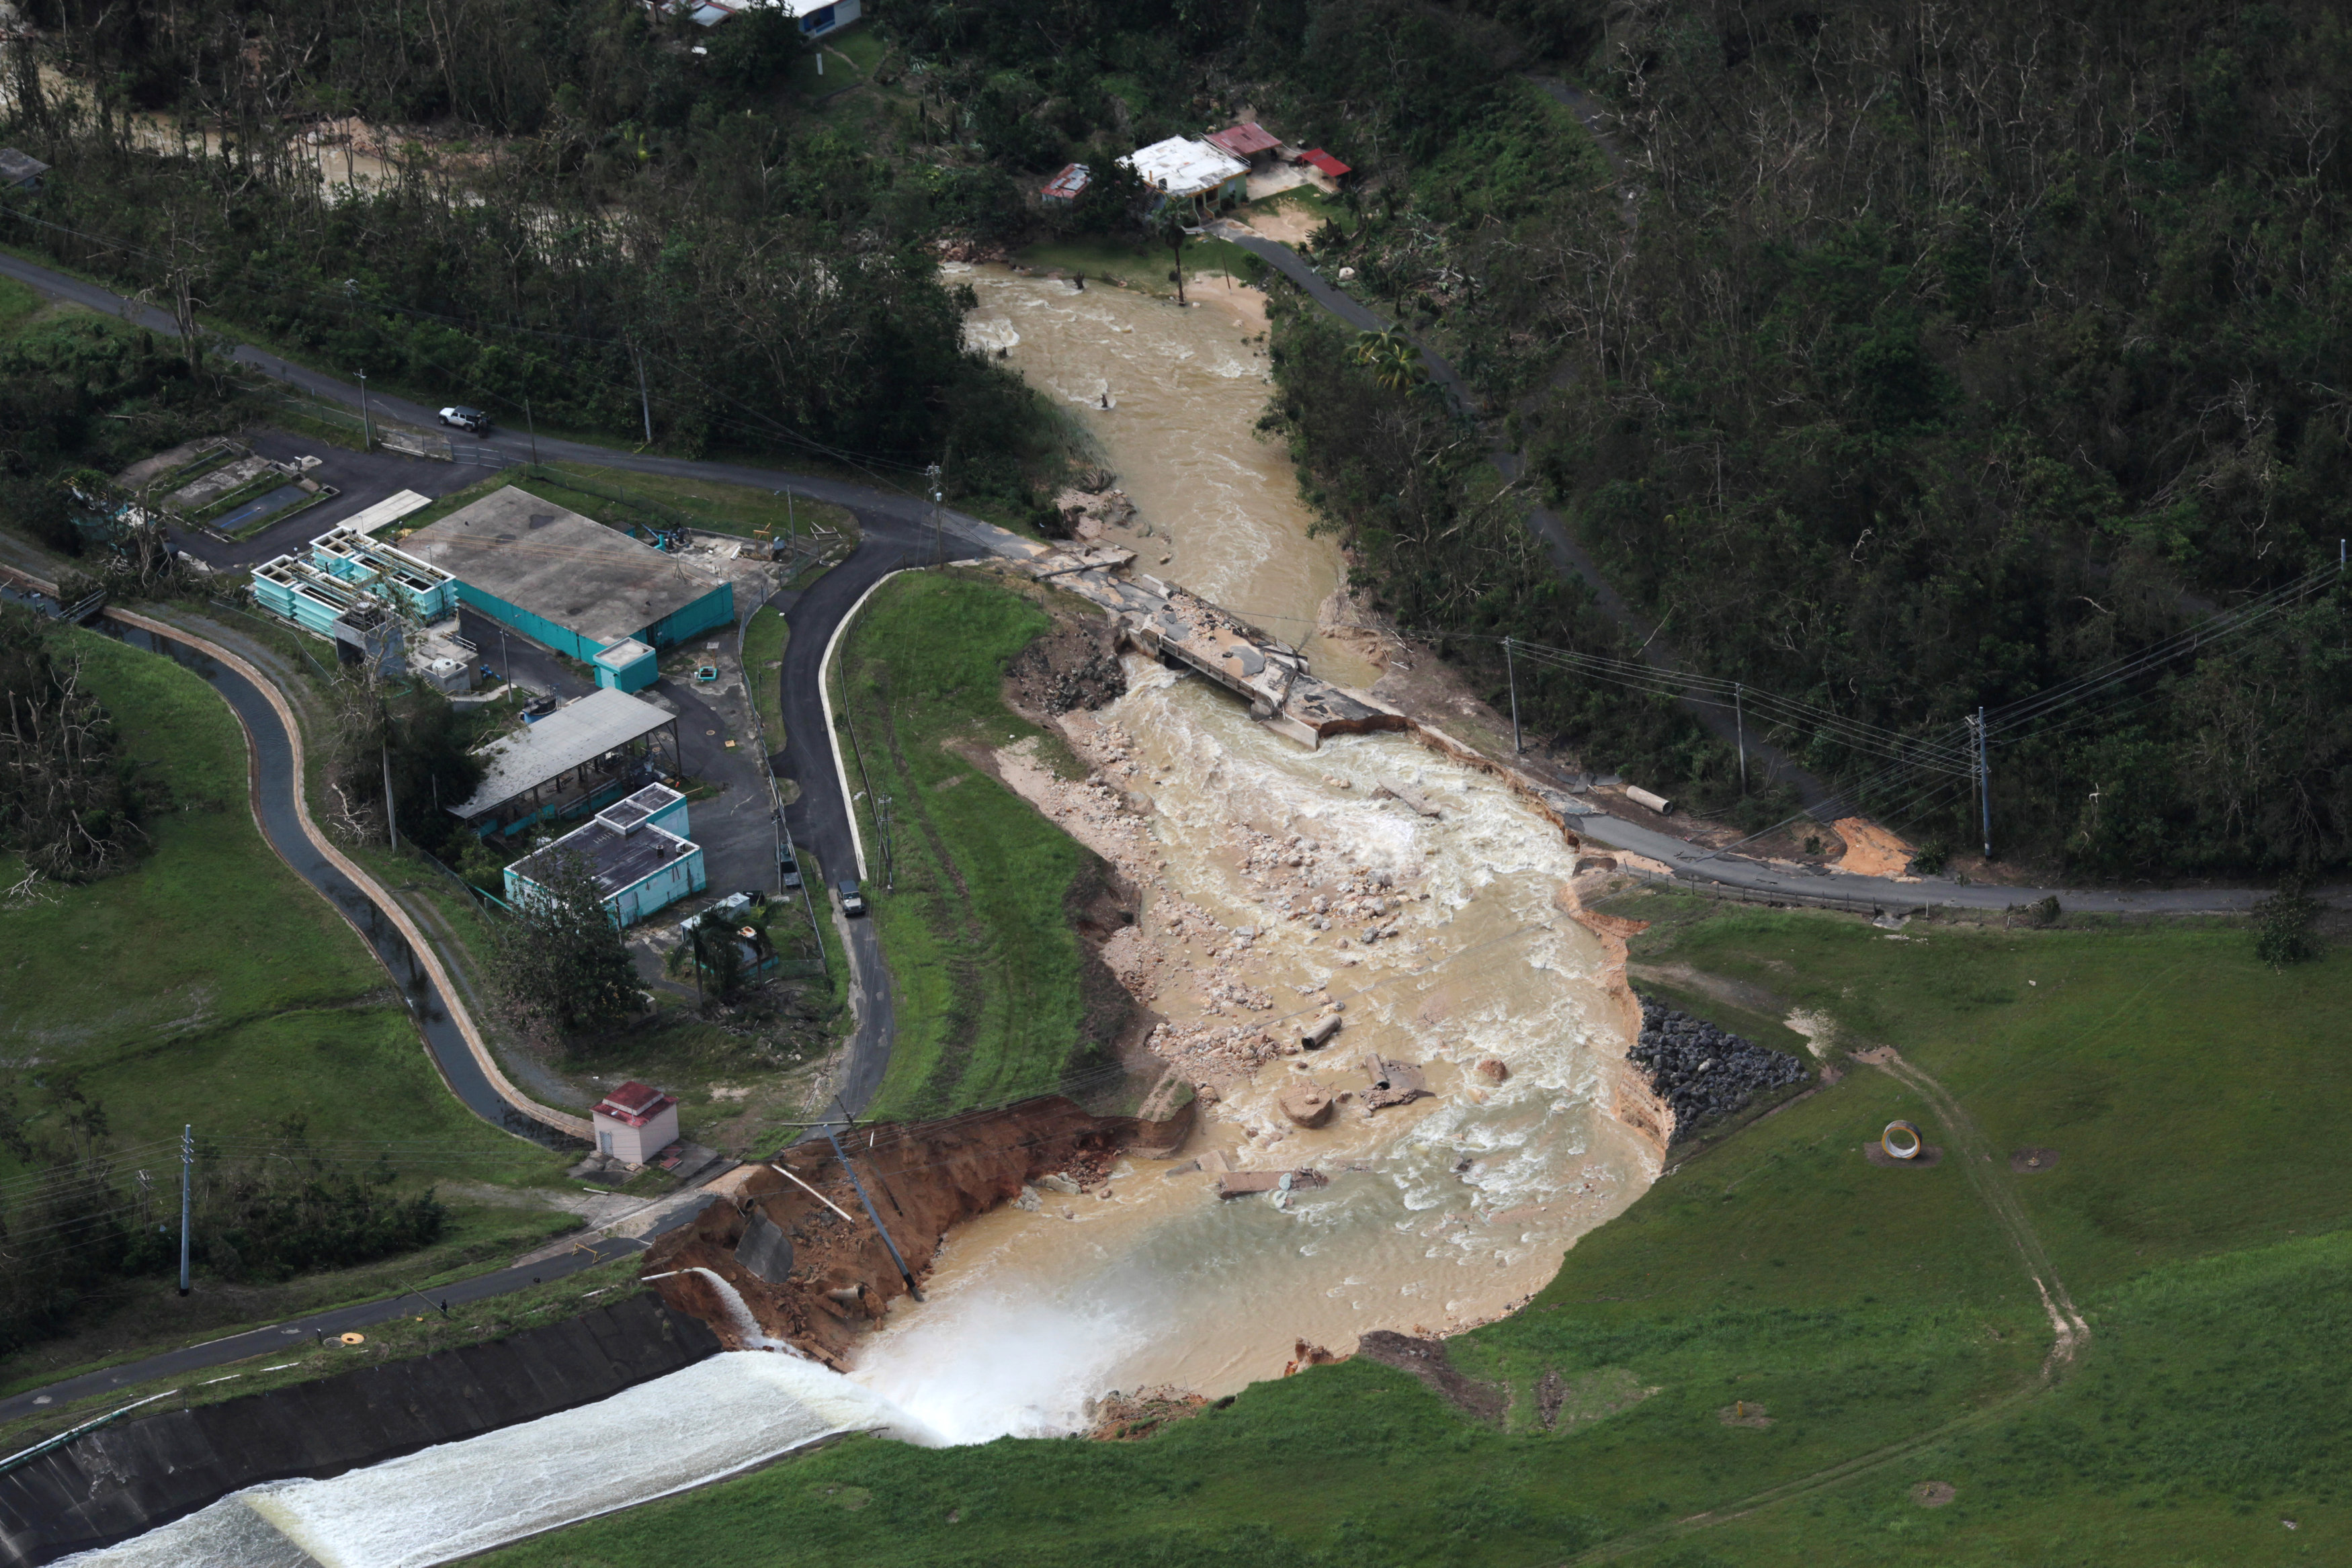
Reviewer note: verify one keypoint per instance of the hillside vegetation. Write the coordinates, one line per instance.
(1909, 362)
(1869, 1329)
(207, 984)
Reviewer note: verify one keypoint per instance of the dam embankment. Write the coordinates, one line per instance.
(123, 1481)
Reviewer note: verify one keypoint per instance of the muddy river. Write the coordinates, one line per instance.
(1440, 1213)
(1184, 390)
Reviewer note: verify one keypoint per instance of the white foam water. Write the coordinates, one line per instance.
(717, 1418)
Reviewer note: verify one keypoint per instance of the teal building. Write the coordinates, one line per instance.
(570, 582)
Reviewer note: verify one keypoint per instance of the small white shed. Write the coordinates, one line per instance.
(635, 1123)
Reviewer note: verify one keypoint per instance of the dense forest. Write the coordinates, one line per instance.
(1896, 360)
(1915, 360)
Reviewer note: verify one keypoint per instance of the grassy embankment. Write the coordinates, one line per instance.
(1141, 267)
(2195, 1215)
(210, 985)
(984, 967)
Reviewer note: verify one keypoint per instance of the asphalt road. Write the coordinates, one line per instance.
(274, 790)
(897, 531)
(290, 1335)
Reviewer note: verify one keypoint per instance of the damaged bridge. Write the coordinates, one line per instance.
(1183, 631)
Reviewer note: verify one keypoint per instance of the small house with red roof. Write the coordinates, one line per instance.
(1067, 186)
(1251, 142)
(635, 1123)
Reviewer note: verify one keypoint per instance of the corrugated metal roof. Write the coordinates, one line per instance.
(1073, 179)
(1183, 167)
(1325, 161)
(1246, 140)
(603, 721)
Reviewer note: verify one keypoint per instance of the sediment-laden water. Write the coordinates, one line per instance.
(1440, 1213)
(1186, 388)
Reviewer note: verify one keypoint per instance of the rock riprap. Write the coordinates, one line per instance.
(1702, 1072)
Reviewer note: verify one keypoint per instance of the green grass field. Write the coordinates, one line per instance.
(982, 959)
(1881, 1318)
(18, 305)
(209, 985)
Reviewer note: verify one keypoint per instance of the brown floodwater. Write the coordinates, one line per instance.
(1185, 389)
(1440, 1215)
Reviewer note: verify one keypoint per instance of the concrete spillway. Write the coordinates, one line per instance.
(722, 1417)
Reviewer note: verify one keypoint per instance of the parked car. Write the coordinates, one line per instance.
(790, 867)
(852, 901)
(467, 419)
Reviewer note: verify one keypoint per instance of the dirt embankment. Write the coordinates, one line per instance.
(837, 1278)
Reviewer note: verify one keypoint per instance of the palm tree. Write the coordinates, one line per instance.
(1391, 358)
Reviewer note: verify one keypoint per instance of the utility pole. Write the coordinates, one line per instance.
(187, 1176)
(1511, 669)
(939, 550)
(844, 1157)
(367, 426)
(1984, 781)
(889, 865)
(1739, 719)
(532, 426)
(644, 399)
(392, 824)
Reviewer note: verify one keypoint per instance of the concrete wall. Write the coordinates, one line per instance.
(563, 639)
(637, 1145)
(124, 1479)
(716, 608)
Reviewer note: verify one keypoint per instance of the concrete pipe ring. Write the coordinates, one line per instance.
(1901, 1141)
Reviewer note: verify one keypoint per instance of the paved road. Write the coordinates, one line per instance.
(274, 788)
(289, 1335)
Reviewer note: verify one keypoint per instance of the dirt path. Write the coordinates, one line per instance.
(2069, 1331)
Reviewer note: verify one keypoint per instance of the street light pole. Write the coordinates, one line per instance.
(367, 426)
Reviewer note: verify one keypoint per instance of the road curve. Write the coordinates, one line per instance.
(452, 1043)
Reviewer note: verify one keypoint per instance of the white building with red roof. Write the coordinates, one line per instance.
(635, 1123)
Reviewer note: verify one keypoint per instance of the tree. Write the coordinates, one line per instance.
(1167, 226)
(560, 965)
(67, 802)
(2284, 926)
(1394, 362)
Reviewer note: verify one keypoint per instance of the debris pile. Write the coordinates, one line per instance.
(1069, 667)
(818, 1274)
(1124, 1418)
(1702, 1072)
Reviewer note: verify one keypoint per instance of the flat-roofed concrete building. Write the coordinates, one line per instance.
(637, 848)
(572, 583)
(1183, 169)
